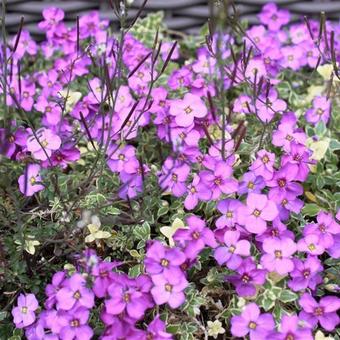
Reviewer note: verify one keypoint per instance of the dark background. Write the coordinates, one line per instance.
(182, 15)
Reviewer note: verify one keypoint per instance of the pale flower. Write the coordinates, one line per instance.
(169, 231)
(215, 328)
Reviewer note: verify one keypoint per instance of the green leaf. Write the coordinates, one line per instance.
(162, 211)
(287, 296)
(135, 270)
(142, 232)
(267, 304)
(334, 145)
(320, 129)
(310, 209)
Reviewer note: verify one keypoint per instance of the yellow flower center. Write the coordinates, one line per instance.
(168, 287)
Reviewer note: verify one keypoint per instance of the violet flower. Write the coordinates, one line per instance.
(30, 181)
(277, 255)
(324, 311)
(306, 274)
(24, 313)
(256, 213)
(234, 248)
(252, 322)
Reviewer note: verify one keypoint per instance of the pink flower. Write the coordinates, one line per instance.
(264, 164)
(273, 17)
(257, 212)
(320, 111)
(311, 244)
(168, 288)
(24, 314)
(187, 109)
(234, 248)
(324, 311)
(251, 322)
(277, 255)
(47, 142)
(29, 182)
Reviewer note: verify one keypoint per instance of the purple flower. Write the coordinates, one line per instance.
(196, 191)
(320, 111)
(75, 294)
(126, 297)
(219, 180)
(187, 109)
(251, 183)
(160, 258)
(47, 142)
(168, 288)
(282, 183)
(196, 238)
(298, 155)
(277, 255)
(263, 165)
(157, 330)
(306, 274)
(52, 289)
(29, 182)
(268, 106)
(103, 276)
(326, 228)
(120, 155)
(247, 277)
(23, 314)
(74, 325)
(324, 311)
(234, 248)
(229, 209)
(311, 244)
(174, 175)
(291, 330)
(256, 213)
(51, 110)
(251, 322)
(273, 17)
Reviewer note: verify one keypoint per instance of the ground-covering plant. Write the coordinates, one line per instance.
(162, 189)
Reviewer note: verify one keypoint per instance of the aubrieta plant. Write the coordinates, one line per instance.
(161, 189)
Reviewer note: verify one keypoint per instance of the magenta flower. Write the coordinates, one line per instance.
(187, 109)
(219, 180)
(47, 142)
(157, 330)
(320, 111)
(234, 248)
(160, 258)
(169, 288)
(124, 297)
(252, 322)
(306, 274)
(196, 191)
(30, 181)
(174, 175)
(251, 183)
(75, 294)
(311, 244)
(283, 184)
(229, 209)
(24, 313)
(290, 329)
(196, 238)
(324, 311)
(326, 229)
(247, 277)
(103, 277)
(74, 325)
(277, 255)
(243, 104)
(268, 106)
(292, 57)
(298, 155)
(119, 155)
(263, 165)
(63, 157)
(52, 16)
(52, 289)
(256, 213)
(285, 134)
(274, 17)
(51, 110)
